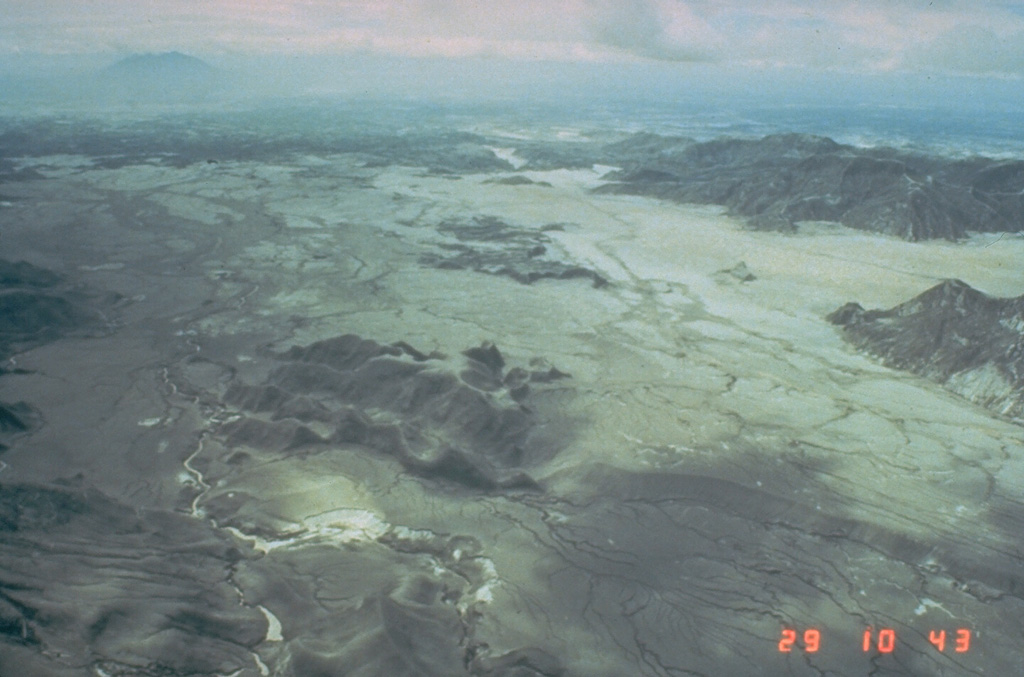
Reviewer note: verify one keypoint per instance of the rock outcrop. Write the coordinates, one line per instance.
(954, 334)
(38, 306)
(780, 180)
(85, 576)
(491, 246)
(464, 422)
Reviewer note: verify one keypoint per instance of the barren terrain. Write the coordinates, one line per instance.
(569, 441)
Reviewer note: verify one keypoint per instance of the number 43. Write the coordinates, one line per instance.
(962, 643)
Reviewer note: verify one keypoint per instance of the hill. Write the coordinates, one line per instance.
(171, 77)
(779, 180)
(954, 334)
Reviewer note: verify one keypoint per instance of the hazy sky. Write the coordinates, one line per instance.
(974, 36)
(983, 39)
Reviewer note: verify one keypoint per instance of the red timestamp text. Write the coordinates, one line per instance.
(882, 640)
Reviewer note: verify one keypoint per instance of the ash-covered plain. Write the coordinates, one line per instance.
(306, 393)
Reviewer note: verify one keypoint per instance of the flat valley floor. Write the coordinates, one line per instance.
(691, 461)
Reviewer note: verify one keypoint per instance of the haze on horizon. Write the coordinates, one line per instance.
(949, 52)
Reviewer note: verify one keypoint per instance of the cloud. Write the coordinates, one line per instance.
(955, 36)
(777, 34)
(654, 30)
(851, 35)
(972, 50)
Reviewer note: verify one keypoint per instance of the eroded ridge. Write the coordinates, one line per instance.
(954, 334)
(463, 423)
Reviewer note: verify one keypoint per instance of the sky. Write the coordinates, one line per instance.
(893, 40)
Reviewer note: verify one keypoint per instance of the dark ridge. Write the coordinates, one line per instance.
(635, 148)
(517, 180)
(171, 139)
(38, 305)
(32, 316)
(954, 334)
(84, 576)
(738, 273)
(463, 423)
(343, 352)
(23, 274)
(491, 246)
(488, 355)
(15, 417)
(779, 180)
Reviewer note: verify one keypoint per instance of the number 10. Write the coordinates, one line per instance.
(886, 640)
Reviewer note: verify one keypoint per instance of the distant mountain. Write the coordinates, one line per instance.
(954, 334)
(167, 65)
(162, 78)
(779, 180)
